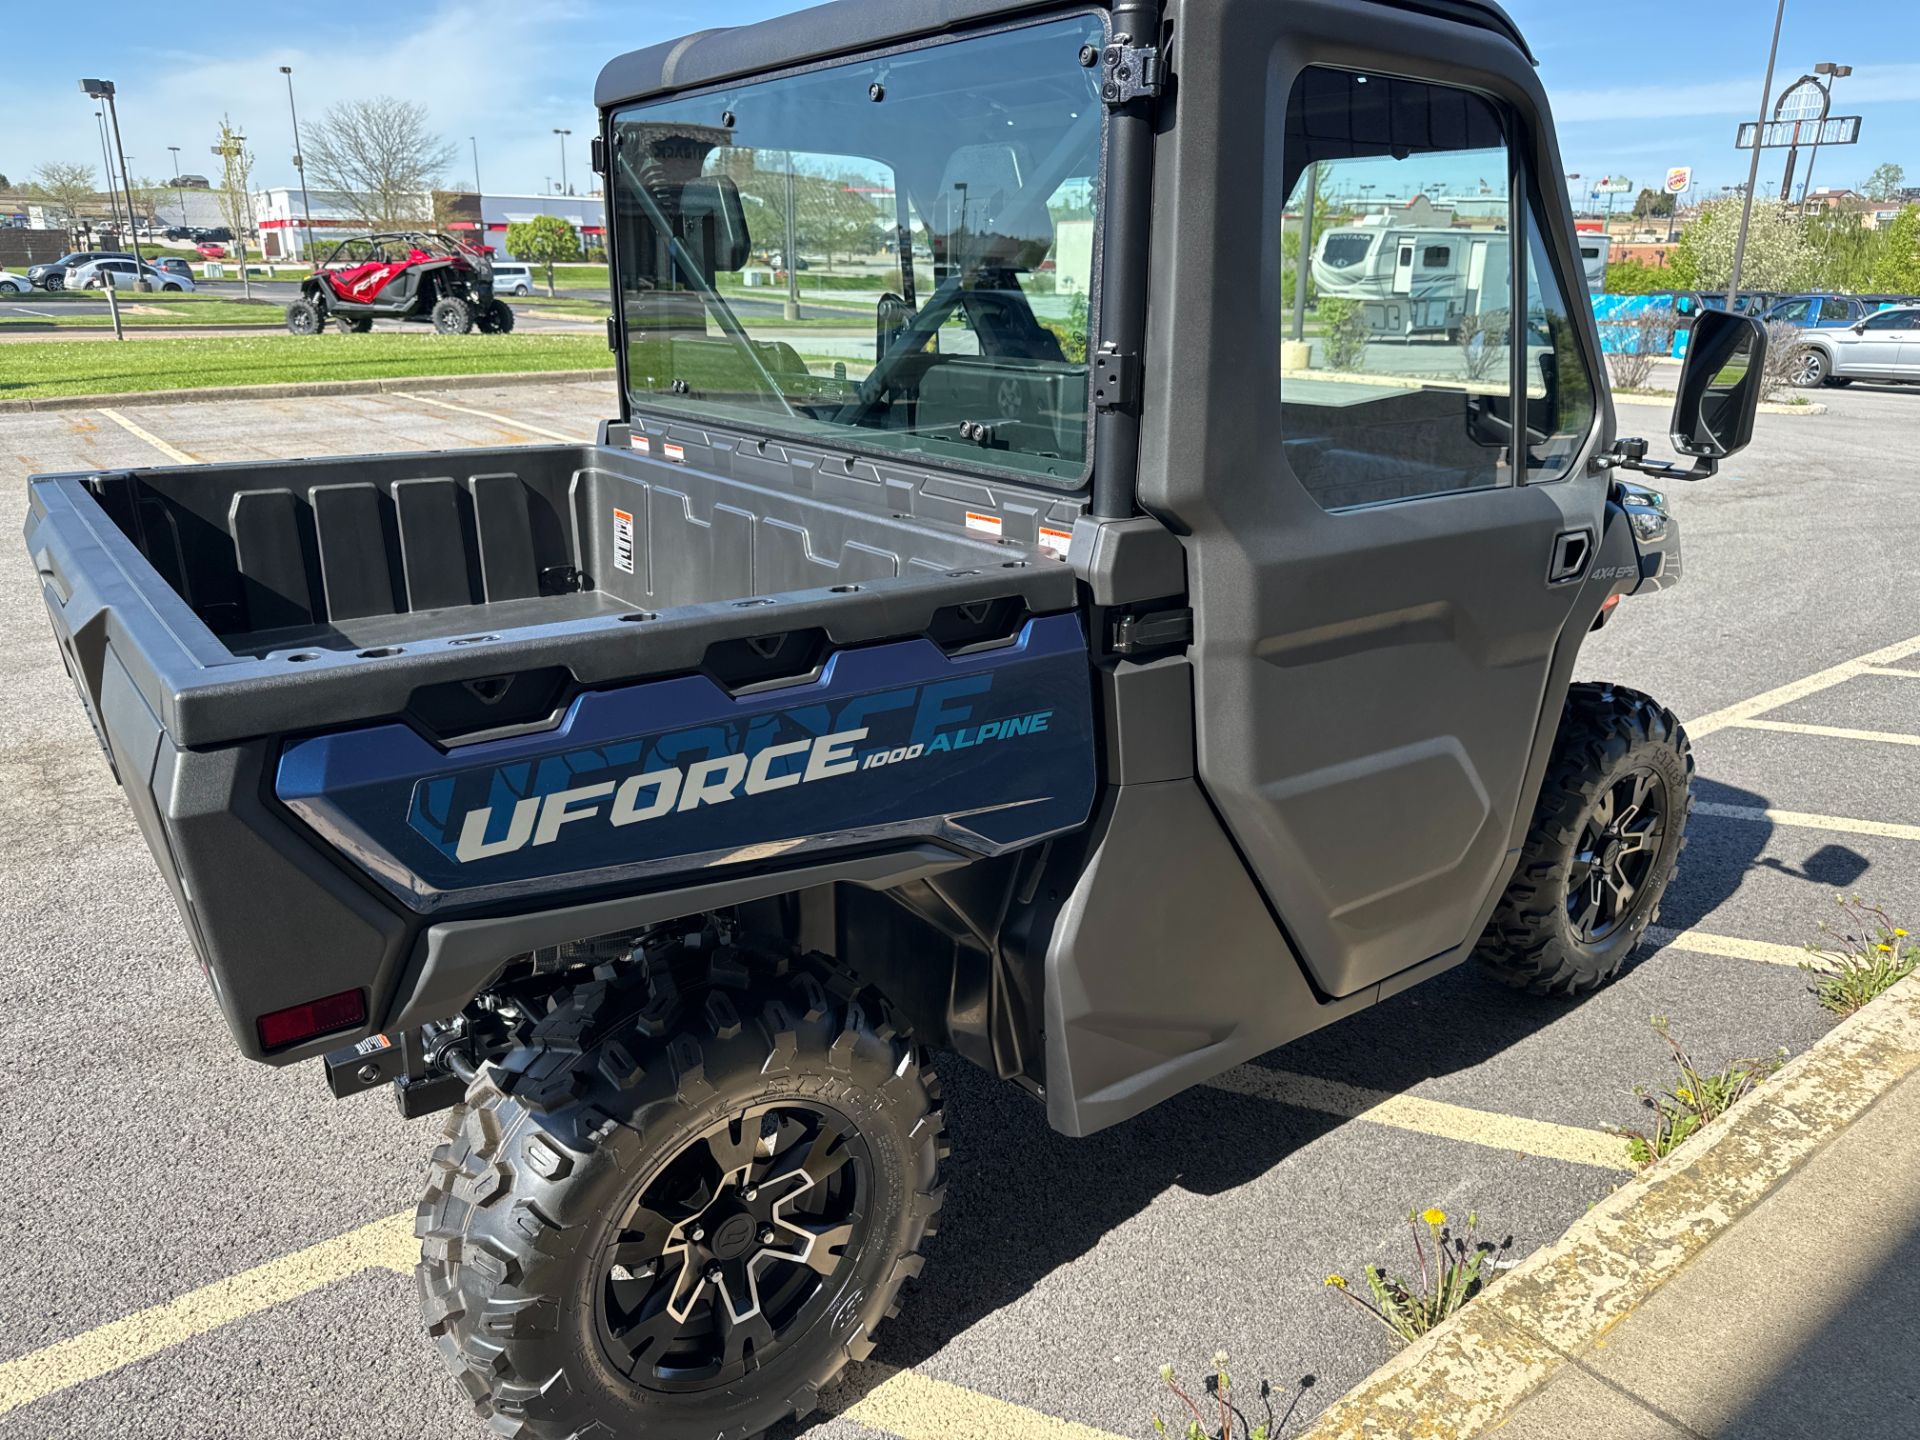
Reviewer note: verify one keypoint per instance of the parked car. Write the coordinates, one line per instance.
(53, 275)
(174, 266)
(512, 279)
(1831, 312)
(1882, 346)
(125, 274)
(11, 284)
(211, 250)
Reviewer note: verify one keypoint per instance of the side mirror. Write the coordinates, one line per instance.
(1718, 396)
(1719, 390)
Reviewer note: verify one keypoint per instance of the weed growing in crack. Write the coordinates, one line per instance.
(1448, 1273)
(1864, 956)
(1694, 1099)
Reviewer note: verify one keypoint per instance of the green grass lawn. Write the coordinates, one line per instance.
(152, 310)
(33, 369)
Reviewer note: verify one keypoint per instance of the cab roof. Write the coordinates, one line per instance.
(845, 26)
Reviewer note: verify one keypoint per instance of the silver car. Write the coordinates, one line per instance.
(1884, 346)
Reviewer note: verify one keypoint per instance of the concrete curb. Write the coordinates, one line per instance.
(1466, 1377)
(298, 389)
(1767, 407)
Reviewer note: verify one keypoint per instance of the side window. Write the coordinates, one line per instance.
(1396, 376)
(1794, 312)
(1835, 309)
(1560, 394)
(1892, 320)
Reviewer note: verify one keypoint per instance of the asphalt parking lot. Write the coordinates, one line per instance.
(150, 1166)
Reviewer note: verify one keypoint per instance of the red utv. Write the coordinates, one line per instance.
(404, 275)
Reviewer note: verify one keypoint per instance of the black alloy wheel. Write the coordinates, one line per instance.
(1619, 849)
(733, 1248)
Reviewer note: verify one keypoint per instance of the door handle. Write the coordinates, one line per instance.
(1571, 551)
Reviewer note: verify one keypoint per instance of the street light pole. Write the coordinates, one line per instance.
(299, 165)
(1832, 72)
(1753, 166)
(563, 134)
(178, 198)
(103, 90)
(476, 164)
(106, 159)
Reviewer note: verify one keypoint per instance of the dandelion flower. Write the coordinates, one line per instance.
(1219, 1359)
(1433, 1216)
(1683, 1093)
(1901, 933)
(1888, 949)
(1166, 1373)
(1338, 1282)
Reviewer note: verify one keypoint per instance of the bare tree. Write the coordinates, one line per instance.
(236, 198)
(381, 157)
(65, 190)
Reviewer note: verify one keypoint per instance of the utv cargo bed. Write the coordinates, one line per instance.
(425, 700)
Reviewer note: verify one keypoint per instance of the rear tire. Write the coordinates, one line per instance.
(644, 1147)
(1839, 382)
(497, 319)
(452, 315)
(359, 326)
(1808, 369)
(305, 318)
(1603, 846)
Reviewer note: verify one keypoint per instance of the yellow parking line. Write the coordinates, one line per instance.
(1429, 1117)
(1831, 732)
(1745, 710)
(506, 420)
(918, 1407)
(1729, 946)
(1886, 829)
(385, 1244)
(172, 452)
(1891, 670)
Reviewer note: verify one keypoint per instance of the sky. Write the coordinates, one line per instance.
(1636, 85)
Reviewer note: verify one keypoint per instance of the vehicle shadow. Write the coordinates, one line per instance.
(1022, 1201)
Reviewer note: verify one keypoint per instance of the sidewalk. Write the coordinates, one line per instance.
(1798, 1321)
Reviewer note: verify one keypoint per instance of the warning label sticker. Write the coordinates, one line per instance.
(1055, 541)
(676, 453)
(623, 541)
(985, 524)
(643, 444)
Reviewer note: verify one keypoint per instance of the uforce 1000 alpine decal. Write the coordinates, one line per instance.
(895, 742)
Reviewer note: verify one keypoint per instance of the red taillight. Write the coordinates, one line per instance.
(317, 1017)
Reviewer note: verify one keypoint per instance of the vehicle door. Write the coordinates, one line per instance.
(1382, 572)
(1403, 266)
(1905, 326)
(1877, 350)
(1837, 310)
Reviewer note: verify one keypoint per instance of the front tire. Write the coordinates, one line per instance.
(305, 318)
(1603, 846)
(452, 315)
(497, 319)
(679, 1212)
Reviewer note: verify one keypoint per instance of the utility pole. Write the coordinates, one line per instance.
(1753, 166)
(563, 134)
(476, 165)
(299, 166)
(1832, 72)
(178, 198)
(103, 90)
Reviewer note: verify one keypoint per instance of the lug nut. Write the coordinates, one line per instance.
(750, 1193)
(766, 1235)
(697, 1233)
(713, 1273)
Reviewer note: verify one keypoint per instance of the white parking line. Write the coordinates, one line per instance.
(497, 419)
(172, 452)
(1887, 829)
(1731, 947)
(1745, 710)
(1831, 732)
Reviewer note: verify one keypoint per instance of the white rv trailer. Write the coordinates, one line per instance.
(1420, 280)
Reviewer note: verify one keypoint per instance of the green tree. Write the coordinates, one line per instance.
(544, 240)
(1653, 202)
(1636, 277)
(65, 191)
(1848, 251)
(1885, 182)
(1779, 255)
(1898, 266)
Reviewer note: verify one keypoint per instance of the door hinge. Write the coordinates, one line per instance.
(613, 334)
(1159, 631)
(1129, 71)
(1116, 379)
(597, 155)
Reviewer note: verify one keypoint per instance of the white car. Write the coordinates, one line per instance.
(512, 279)
(1883, 346)
(11, 284)
(93, 276)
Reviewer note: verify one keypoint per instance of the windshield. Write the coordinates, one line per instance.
(893, 254)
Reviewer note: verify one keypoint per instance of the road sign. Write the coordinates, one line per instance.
(1679, 179)
(1613, 185)
(1780, 134)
